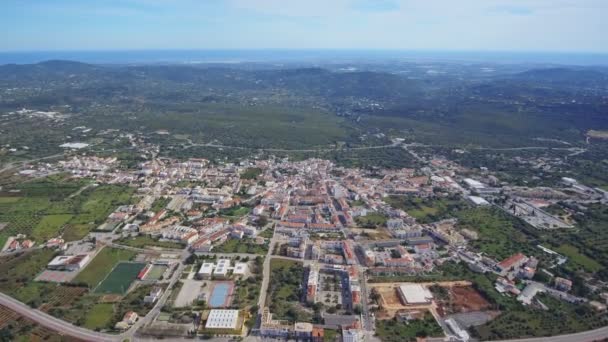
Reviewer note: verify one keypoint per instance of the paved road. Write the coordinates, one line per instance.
(161, 301)
(296, 150)
(586, 336)
(13, 165)
(53, 323)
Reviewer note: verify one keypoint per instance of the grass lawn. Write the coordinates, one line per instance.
(578, 258)
(8, 200)
(99, 316)
(144, 241)
(241, 246)
(121, 277)
(103, 263)
(393, 331)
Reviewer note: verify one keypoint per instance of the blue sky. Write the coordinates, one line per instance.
(513, 25)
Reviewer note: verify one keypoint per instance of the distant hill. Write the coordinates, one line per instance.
(564, 76)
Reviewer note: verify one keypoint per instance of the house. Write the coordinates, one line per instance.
(154, 295)
(563, 284)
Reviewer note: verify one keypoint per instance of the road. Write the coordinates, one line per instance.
(161, 301)
(53, 323)
(266, 273)
(12, 165)
(586, 336)
(295, 150)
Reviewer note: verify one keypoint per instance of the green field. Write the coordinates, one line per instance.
(580, 259)
(101, 265)
(99, 316)
(121, 277)
(48, 226)
(19, 270)
(427, 210)
(500, 235)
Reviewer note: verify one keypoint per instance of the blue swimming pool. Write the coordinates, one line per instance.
(220, 295)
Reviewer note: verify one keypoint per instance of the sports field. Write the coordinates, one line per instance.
(156, 272)
(121, 277)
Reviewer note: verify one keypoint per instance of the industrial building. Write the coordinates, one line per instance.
(223, 320)
(414, 294)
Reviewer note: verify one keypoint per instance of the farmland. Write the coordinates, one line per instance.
(18, 271)
(120, 279)
(43, 209)
(101, 265)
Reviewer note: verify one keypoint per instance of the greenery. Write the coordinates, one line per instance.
(51, 206)
(372, 220)
(393, 331)
(99, 316)
(19, 270)
(500, 235)
(251, 173)
(160, 204)
(244, 245)
(561, 318)
(427, 210)
(102, 264)
(145, 241)
(284, 290)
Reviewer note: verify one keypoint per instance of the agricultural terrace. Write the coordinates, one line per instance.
(102, 265)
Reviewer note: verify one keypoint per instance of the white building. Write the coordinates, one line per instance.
(240, 269)
(413, 294)
(351, 335)
(206, 270)
(223, 319)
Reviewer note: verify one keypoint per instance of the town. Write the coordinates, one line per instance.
(304, 250)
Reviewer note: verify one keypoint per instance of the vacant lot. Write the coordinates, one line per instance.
(121, 277)
(19, 270)
(241, 246)
(102, 264)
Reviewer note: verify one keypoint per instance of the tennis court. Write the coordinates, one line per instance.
(221, 295)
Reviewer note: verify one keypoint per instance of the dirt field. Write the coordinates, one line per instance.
(467, 299)
(389, 296)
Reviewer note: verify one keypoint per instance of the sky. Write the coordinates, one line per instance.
(452, 25)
